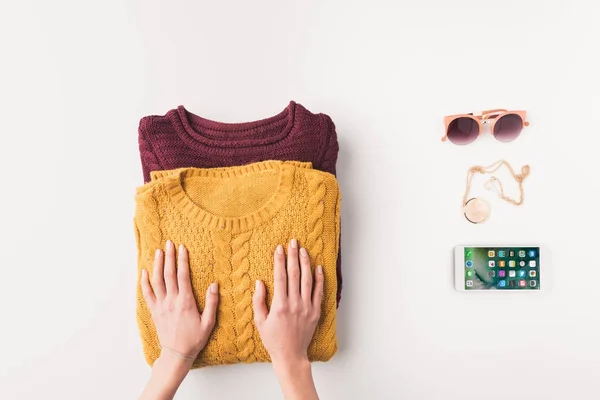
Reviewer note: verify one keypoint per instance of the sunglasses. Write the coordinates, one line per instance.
(505, 125)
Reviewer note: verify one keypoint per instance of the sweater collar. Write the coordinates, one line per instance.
(285, 179)
(196, 131)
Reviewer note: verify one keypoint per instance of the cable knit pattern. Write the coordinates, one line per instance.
(226, 310)
(240, 214)
(326, 329)
(181, 139)
(243, 297)
(316, 188)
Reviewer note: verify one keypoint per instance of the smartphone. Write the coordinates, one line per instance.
(479, 268)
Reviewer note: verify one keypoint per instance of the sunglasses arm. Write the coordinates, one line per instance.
(490, 114)
(494, 111)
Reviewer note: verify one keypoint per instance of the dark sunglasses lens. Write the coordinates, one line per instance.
(508, 127)
(463, 130)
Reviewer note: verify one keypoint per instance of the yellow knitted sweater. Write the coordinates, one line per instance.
(230, 220)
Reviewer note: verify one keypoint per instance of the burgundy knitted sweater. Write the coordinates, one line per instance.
(181, 139)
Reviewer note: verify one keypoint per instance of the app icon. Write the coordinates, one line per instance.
(501, 253)
(522, 283)
(501, 263)
(469, 254)
(470, 273)
(522, 263)
(512, 274)
(512, 283)
(531, 253)
(521, 253)
(532, 274)
(501, 283)
(491, 253)
(532, 283)
(469, 283)
(492, 263)
(511, 263)
(501, 273)
(522, 274)
(511, 253)
(469, 263)
(532, 263)
(492, 274)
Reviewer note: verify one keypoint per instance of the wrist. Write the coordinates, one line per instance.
(291, 366)
(171, 370)
(173, 363)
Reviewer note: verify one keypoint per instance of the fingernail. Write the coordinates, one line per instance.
(181, 248)
(303, 252)
(257, 285)
(169, 245)
(280, 249)
(214, 287)
(144, 272)
(320, 270)
(157, 254)
(294, 243)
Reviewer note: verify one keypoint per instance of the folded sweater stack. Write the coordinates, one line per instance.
(217, 189)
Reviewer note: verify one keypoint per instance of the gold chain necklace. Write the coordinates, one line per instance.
(478, 210)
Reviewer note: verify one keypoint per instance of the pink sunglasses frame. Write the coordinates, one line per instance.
(485, 117)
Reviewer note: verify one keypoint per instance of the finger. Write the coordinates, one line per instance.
(183, 271)
(147, 289)
(293, 271)
(317, 298)
(209, 315)
(305, 277)
(158, 280)
(170, 274)
(280, 275)
(258, 303)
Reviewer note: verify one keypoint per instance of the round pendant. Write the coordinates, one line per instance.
(476, 210)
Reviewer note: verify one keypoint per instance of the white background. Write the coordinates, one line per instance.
(76, 77)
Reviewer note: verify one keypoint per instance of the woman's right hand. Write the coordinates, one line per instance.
(287, 329)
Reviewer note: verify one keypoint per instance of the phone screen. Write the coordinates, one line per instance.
(502, 268)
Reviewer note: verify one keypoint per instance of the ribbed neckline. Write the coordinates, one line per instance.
(174, 187)
(233, 135)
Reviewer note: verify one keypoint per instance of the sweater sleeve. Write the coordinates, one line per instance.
(148, 156)
(330, 152)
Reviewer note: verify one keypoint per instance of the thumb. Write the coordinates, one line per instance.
(258, 301)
